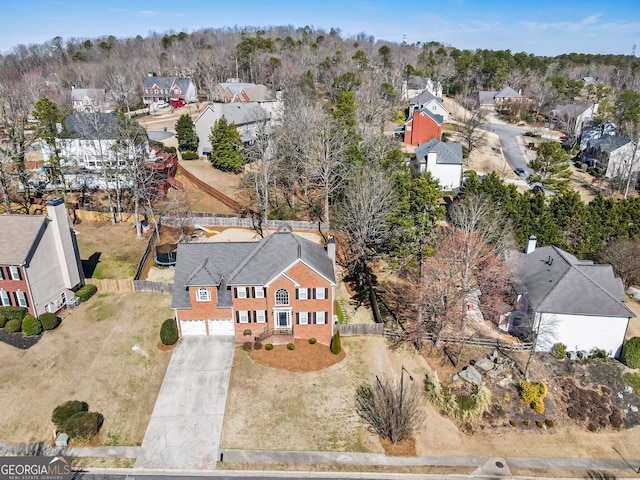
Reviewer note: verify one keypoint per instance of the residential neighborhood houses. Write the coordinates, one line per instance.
(387, 262)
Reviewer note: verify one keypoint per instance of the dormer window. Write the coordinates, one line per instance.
(282, 297)
(203, 295)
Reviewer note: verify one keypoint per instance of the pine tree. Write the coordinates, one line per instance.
(186, 135)
(226, 146)
(551, 168)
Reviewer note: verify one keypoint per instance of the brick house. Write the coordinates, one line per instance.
(422, 126)
(39, 261)
(274, 290)
(166, 89)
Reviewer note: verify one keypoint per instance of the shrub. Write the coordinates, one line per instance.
(526, 423)
(31, 325)
(247, 346)
(538, 405)
(336, 348)
(83, 425)
(549, 423)
(189, 155)
(633, 380)
(257, 345)
(3, 319)
(600, 354)
(86, 292)
(49, 321)
(506, 397)
(559, 351)
(169, 149)
(169, 332)
(313, 341)
(14, 313)
(290, 346)
(268, 346)
(13, 325)
(466, 403)
(630, 355)
(513, 423)
(533, 394)
(539, 424)
(66, 410)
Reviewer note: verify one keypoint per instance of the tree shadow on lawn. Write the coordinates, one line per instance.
(18, 339)
(89, 265)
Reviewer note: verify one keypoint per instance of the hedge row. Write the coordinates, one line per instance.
(16, 319)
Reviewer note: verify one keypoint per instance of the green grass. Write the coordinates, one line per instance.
(633, 380)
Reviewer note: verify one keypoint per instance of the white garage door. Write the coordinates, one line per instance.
(193, 327)
(219, 326)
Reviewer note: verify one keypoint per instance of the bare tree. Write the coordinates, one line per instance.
(624, 257)
(121, 89)
(259, 157)
(470, 123)
(392, 410)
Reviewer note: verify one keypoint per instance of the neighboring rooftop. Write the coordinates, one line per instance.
(449, 153)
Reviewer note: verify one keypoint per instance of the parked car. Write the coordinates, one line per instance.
(398, 132)
(177, 103)
(520, 172)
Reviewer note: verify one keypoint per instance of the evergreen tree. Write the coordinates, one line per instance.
(226, 146)
(550, 167)
(186, 134)
(50, 128)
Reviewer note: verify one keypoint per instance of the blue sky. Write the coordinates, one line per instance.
(542, 27)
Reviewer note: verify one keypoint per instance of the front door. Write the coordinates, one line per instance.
(283, 320)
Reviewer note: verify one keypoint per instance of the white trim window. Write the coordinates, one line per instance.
(259, 292)
(243, 316)
(303, 318)
(1, 273)
(282, 297)
(15, 273)
(241, 292)
(203, 295)
(21, 298)
(321, 318)
(261, 316)
(320, 293)
(303, 294)
(5, 299)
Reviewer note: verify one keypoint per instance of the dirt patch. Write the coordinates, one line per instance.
(406, 448)
(303, 358)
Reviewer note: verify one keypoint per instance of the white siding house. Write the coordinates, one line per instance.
(443, 160)
(564, 299)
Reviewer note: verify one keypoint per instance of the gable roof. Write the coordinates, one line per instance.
(608, 143)
(244, 263)
(447, 153)
(92, 93)
(507, 92)
(167, 82)
(19, 234)
(90, 126)
(259, 93)
(555, 281)
(569, 110)
(239, 113)
(438, 119)
(423, 98)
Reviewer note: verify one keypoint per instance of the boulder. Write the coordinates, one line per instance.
(484, 364)
(471, 375)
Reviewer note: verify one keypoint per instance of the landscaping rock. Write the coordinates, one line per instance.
(505, 382)
(471, 375)
(484, 364)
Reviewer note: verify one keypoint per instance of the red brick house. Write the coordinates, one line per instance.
(422, 126)
(274, 290)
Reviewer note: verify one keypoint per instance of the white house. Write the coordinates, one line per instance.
(573, 118)
(613, 155)
(426, 100)
(443, 160)
(567, 300)
(416, 85)
(90, 100)
(247, 117)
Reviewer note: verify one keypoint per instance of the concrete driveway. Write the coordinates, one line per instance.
(186, 424)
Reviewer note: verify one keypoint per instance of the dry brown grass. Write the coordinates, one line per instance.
(90, 358)
(303, 358)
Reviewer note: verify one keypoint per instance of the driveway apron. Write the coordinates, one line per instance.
(186, 424)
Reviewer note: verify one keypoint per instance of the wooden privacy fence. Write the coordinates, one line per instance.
(128, 285)
(354, 329)
(217, 194)
(213, 220)
(472, 341)
(155, 287)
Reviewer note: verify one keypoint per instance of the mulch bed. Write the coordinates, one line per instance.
(18, 340)
(304, 358)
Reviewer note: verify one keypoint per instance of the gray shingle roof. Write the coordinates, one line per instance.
(568, 109)
(422, 98)
(90, 126)
(92, 93)
(243, 113)
(449, 153)
(243, 263)
(557, 282)
(507, 92)
(608, 143)
(162, 82)
(18, 235)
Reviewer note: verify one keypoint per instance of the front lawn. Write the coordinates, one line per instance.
(89, 357)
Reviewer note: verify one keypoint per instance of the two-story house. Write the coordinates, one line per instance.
(39, 261)
(90, 100)
(167, 89)
(422, 126)
(426, 100)
(274, 290)
(443, 160)
(613, 155)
